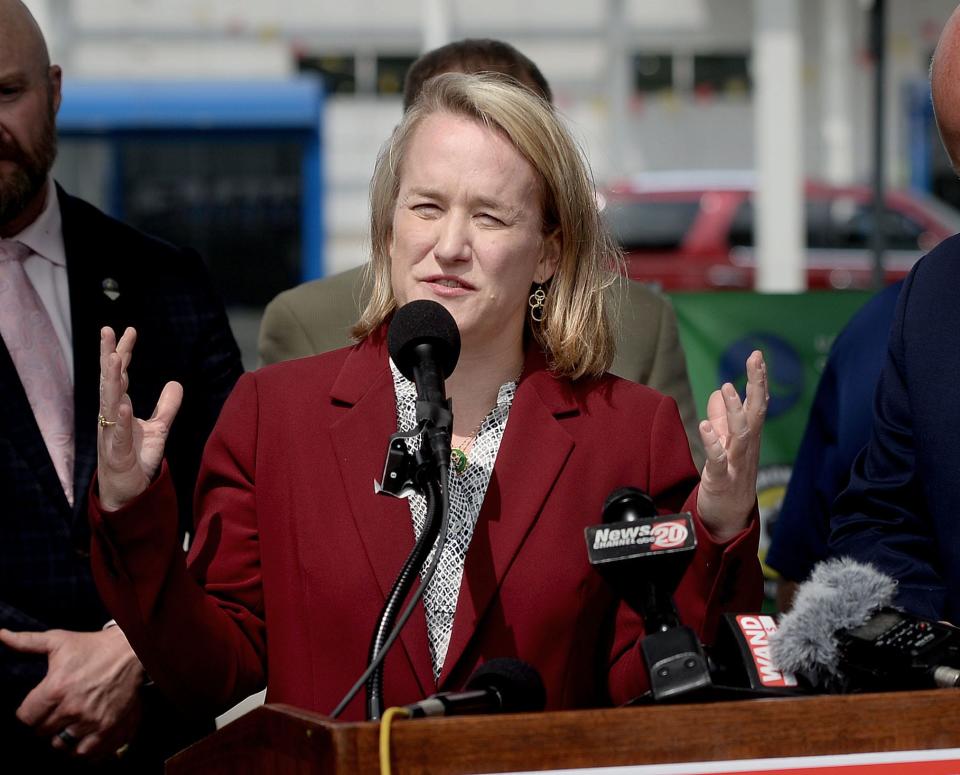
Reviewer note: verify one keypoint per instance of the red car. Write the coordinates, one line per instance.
(694, 231)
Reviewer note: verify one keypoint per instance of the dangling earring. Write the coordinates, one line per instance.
(537, 303)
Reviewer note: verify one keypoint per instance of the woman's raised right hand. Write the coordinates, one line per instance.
(129, 450)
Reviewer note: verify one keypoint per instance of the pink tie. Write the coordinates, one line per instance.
(36, 353)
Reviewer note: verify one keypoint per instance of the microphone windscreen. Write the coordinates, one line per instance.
(840, 594)
(423, 322)
(627, 504)
(519, 685)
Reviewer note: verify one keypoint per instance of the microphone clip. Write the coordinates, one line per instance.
(405, 472)
(675, 663)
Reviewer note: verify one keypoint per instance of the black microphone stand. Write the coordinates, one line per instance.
(425, 472)
(672, 652)
(674, 658)
(429, 487)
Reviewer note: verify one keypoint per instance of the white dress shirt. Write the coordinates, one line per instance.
(467, 491)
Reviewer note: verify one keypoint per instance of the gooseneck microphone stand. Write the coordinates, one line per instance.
(425, 471)
(424, 344)
(428, 477)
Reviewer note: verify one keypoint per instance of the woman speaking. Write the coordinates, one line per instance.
(481, 202)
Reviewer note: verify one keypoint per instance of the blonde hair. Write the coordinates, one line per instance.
(575, 331)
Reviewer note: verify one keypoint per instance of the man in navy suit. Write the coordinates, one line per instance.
(900, 509)
(839, 426)
(69, 680)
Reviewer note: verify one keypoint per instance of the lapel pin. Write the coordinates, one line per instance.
(111, 288)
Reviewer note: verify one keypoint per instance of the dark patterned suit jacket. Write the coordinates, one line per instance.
(183, 334)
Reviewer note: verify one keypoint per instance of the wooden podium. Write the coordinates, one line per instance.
(280, 739)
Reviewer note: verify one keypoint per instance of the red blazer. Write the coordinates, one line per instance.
(294, 553)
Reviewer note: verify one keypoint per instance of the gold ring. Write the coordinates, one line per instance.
(103, 422)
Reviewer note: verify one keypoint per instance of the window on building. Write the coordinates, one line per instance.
(652, 72)
(236, 201)
(391, 70)
(338, 72)
(721, 74)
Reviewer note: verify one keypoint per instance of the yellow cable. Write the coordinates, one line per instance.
(385, 723)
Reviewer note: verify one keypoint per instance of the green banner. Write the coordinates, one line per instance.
(795, 331)
(719, 330)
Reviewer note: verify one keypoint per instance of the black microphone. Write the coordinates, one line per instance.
(503, 685)
(843, 634)
(424, 342)
(643, 556)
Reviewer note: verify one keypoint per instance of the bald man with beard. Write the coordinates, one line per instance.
(900, 511)
(71, 689)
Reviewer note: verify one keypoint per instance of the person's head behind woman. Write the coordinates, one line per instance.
(575, 331)
(474, 55)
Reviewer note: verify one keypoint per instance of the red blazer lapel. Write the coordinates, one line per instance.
(384, 523)
(532, 456)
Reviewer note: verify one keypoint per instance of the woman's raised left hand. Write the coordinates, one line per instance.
(731, 440)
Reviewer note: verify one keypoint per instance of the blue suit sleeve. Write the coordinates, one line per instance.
(802, 527)
(841, 419)
(882, 517)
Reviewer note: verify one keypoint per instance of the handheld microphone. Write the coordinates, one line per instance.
(643, 556)
(503, 685)
(842, 634)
